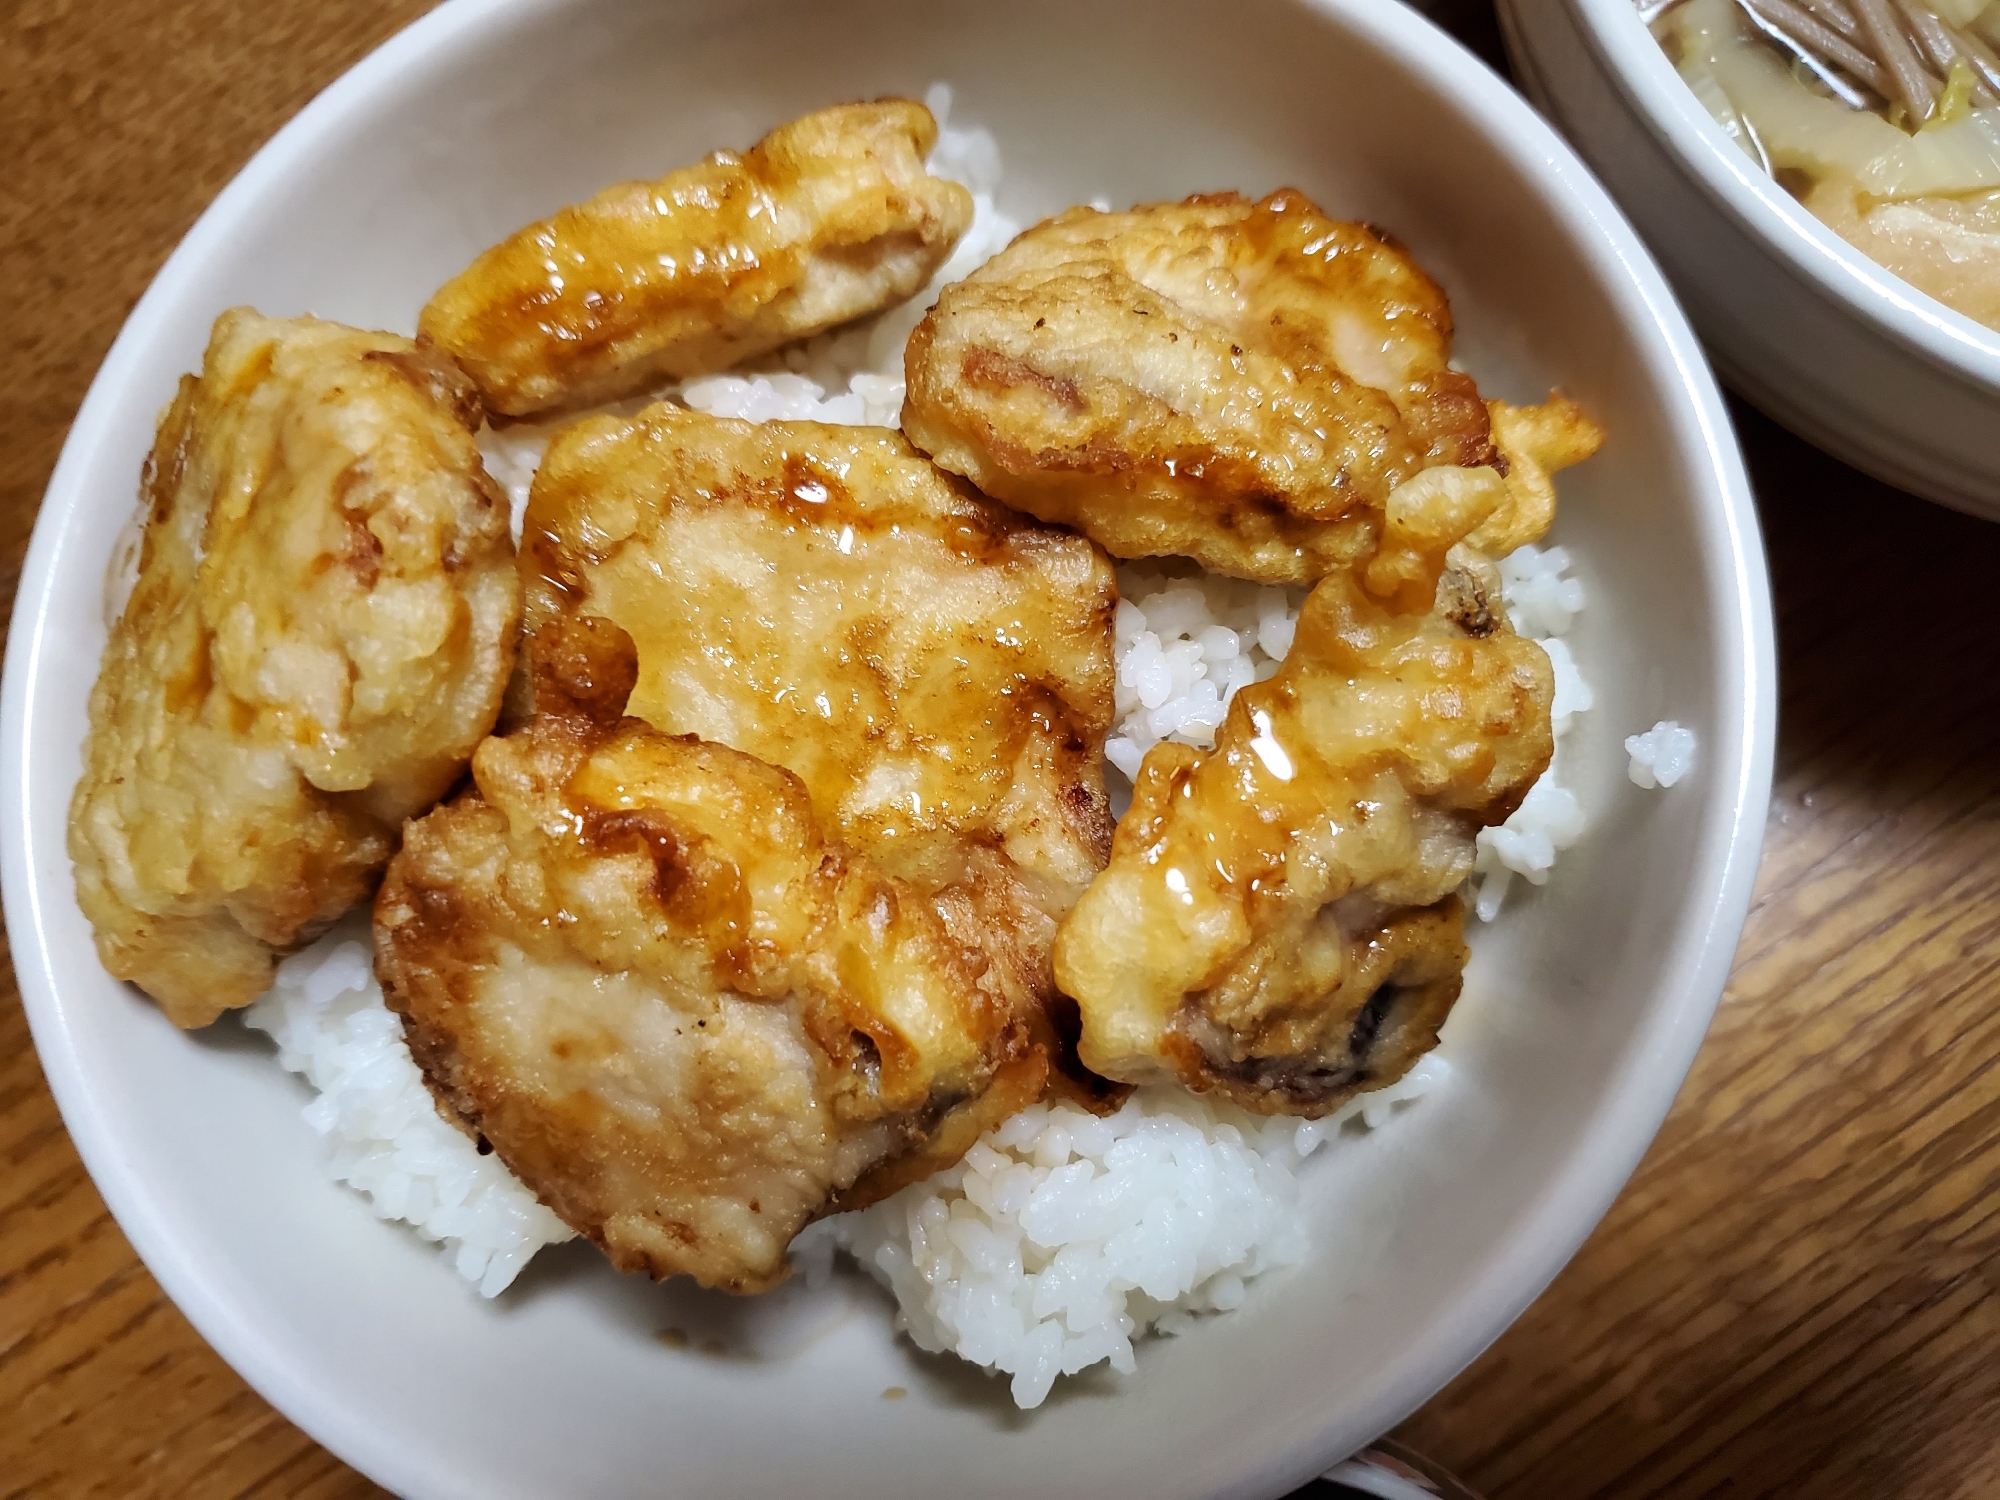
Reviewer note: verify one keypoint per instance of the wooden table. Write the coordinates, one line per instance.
(1799, 1293)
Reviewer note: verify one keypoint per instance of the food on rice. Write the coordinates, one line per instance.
(384, 1135)
(935, 667)
(698, 991)
(1063, 1237)
(824, 220)
(1535, 443)
(1239, 383)
(1277, 922)
(630, 963)
(320, 630)
(851, 375)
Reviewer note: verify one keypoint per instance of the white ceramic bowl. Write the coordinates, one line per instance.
(1844, 353)
(1584, 1008)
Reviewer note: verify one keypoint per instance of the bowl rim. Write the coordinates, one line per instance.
(1664, 1041)
(1627, 50)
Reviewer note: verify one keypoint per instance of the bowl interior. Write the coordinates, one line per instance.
(1870, 290)
(1585, 1003)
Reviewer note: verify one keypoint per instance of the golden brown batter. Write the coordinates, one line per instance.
(630, 962)
(825, 220)
(1241, 383)
(321, 630)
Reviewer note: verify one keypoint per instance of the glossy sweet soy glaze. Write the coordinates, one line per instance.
(1276, 921)
(1240, 383)
(826, 219)
(935, 668)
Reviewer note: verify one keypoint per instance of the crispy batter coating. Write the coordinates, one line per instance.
(321, 630)
(1442, 529)
(824, 220)
(1276, 922)
(934, 667)
(630, 962)
(1241, 383)
(1535, 442)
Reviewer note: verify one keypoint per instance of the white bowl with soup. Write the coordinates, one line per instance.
(1583, 1007)
(1770, 235)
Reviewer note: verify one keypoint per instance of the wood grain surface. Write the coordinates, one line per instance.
(1799, 1293)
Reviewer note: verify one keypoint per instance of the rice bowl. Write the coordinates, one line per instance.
(1062, 1238)
(1387, 1190)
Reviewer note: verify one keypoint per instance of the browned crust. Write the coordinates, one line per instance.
(1009, 383)
(450, 912)
(1401, 983)
(198, 874)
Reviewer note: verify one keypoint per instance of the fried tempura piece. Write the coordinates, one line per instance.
(934, 667)
(1464, 518)
(1276, 922)
(1535, 442)
(631, 963)
(321, 630)
(826, 219)
(1241, 383)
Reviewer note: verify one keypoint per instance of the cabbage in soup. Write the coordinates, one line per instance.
(1881, 116)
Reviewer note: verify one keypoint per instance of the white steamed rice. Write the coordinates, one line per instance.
(1661, 756)
(384, 1136)
(1186, 643)
(1542, 604)
(1061, 1238)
